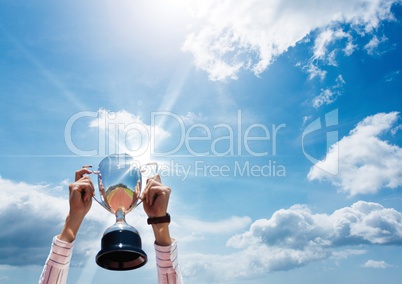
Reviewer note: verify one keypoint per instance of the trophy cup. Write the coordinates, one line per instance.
(119, 189)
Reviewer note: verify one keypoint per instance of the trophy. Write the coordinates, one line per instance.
(119, 189)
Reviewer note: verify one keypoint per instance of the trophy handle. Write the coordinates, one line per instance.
(94, 197)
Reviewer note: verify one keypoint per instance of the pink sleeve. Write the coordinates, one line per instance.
(168, 264)
(57, 264)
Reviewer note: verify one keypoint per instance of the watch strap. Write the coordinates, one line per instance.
(158, 220)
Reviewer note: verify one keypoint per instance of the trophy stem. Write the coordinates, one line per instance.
(120, 216)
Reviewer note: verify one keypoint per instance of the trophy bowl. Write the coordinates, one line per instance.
(119, 190)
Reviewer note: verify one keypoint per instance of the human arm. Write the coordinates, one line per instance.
(57, 264)
(155, 201)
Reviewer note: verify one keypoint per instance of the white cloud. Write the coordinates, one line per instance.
(396, 129)
(21, 196)
(234, 34)
(314, 71)
(329, 95)
(349, 48)
(324, 53)
(391, 76)
(366, 163)
(326, 97)
(126, 133)
(325, 38)
(298, 228)
(372, 46)
(295, 237)
(376, 264)
(190, 229)
(32, 216)
(191, 118)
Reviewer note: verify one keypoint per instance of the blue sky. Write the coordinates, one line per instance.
(276, 124)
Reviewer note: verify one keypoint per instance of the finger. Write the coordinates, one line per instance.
(87, 188)
(81, 172)
(152, 194)
(157, 177)
(152, 188)
(89, 191)
(85, 180)
(147, 189)
(77, 193)
(84, 187)
(144, 192)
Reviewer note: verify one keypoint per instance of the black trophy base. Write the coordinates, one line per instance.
(121, 250)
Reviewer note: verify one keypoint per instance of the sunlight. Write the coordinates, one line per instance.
(146, 23)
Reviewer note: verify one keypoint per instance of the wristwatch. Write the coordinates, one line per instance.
(158, 220)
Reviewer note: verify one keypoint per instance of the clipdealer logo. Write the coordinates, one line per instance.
(138, 138)
(236, 140)
(330, 121)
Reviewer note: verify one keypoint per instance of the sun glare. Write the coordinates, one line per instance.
(148, 23)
